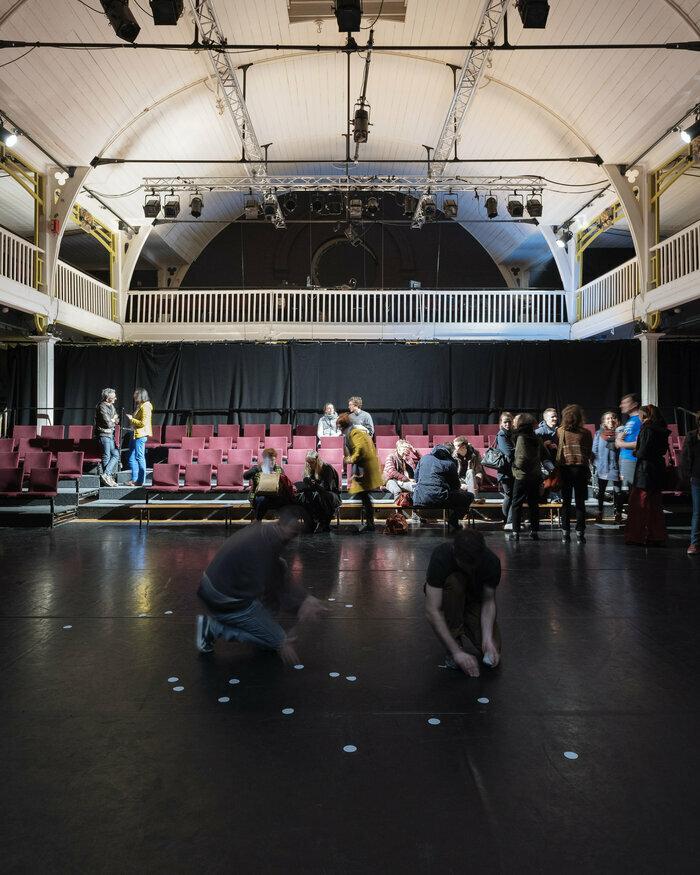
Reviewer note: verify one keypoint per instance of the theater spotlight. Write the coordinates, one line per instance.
(318, 204)
(290, 204)
(533, 13)
(348, 14)
(450, 208)
(563, 237)
(171, 207)
(533, 205)
(372, 207)
(360, 125)
(196, 206)
(334, 203)
(429, 209)
(122, 19)
(355, 208)
(491, 204)
(7, 137)
(409, 205)
(151, 208)
(515, 207)
(689, 134)
(270, 208)
(251, 209)
(166, 12)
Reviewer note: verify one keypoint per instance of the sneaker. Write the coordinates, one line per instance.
(414, 520)
(365, 529)
(513, 536)
(202, 638)
(580, 537)
(693, 550)
(566, 536)
(508, 527)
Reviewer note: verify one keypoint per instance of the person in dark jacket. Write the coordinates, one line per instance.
(574, 450)
(106, 419)
(606, 458)
(468, 460)
(285, 492)
(690, 469)
(438, 485)
(319, 492)
(645, 516)
(528, 457)
(547, 430)
(504, 442)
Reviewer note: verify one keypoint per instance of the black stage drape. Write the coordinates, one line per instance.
(475, 379)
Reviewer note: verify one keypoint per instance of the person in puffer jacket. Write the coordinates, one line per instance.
(527, 474)
(438, 485)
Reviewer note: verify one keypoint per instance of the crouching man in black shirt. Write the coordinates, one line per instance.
(246, 581)
(460, 601)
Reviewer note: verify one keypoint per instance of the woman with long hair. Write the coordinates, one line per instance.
(319, 492)
(141, 419)
(527, 474)
(606, 458)
(504, 442)
(645, 515)
(575, 445)
(366, 474)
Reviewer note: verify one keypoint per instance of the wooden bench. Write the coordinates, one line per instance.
(145, 510)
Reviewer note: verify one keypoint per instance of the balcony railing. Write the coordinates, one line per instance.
(613, 288)
(19, 259)
(77, 288)
(677, 256)
(332, 307)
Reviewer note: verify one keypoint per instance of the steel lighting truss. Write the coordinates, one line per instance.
(408, 184)
(212, 34)
(467, 83)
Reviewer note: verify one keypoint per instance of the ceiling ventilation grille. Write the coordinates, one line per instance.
(317, 10)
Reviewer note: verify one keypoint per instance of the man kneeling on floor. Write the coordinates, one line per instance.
(460, 601)
(246, 581)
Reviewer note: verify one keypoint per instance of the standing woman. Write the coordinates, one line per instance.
(141, 419)
(645, 516)
(574, 451)
(366, 473)
(690, 468)
(504, 442)
(527, 474)
(606, 458)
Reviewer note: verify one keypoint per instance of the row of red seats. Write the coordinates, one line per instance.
(199, 477)
(43, 483)
(69, 466)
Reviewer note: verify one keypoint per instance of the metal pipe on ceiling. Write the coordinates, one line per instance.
(576, 159)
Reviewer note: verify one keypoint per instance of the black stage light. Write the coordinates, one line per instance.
(429, 209)
(450, 208)
(533, 13)
(251, 209)
(334, 203)
(515, 207)
(533, 205)
(166, 12)
(348, 14)
(151, 208)
(196, 206)
(563, 237)
(355, 208)
(360, 125)
(270, 209)
(318, 204)
(290, 204)
(171, 208)
(491, 204)
(372, 207)
(122, 19)
(689, 134)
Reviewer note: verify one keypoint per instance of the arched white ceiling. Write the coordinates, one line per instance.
(161, 104)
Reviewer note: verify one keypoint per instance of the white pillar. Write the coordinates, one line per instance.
(650, 367)
(44, 379)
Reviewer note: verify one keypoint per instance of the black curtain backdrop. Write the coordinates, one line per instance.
(476, 380)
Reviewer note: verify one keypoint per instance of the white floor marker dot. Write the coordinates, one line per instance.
(350, 677)
(333, 674)
(234, 681)
(224, 699)
(287, 710)
(67, 627)
(143, 615)
(331, 600)
(178, 689)
(173, 680)
(483, 700)
(348, 606)
(434, 721)
(299, 667)
(570, 755)
(349, 748)
(168, 612)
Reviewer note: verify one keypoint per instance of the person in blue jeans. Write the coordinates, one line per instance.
(106, 418)
(246, 582)
(690, 468)
(141, 420)
(626, 440)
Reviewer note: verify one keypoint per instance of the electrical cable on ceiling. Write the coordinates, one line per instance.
(379, 15)
(145, 11)
(14, 60)
(92, 8)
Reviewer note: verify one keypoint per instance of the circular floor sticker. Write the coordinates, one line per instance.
(287, 710)
(350, 677)
(173, 680)
(333, 674)
(433, 721)
(331, 600)
(178, 689)
(299, 667)
(483, 700)
(224, 699)
(349, 748)
(348, 606)
(570, 755)
(234, 681)
(67, 627)
(168, 612)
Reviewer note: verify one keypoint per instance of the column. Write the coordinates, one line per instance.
(650, 367)
(44, 379)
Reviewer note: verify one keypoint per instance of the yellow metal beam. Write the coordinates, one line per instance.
(101, 232)
(597, 226)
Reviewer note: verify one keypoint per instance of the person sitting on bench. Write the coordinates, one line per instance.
(319, 491)
(438, 485)
(469, 467)
(460, 601)
(400, 472)
(269, 485)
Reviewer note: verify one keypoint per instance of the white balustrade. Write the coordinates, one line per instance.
(366, 307)
(18, 259)
(678, 255)
(77, 288)
(609, 290)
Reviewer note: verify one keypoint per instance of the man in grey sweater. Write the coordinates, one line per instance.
(359, 416)
(106, 419)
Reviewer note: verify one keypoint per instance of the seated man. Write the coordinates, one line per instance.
(469, 467)
(359, 417)
(245, 581)
(438, 485)
(460, 601)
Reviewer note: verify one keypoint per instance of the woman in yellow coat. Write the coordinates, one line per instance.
(141, 420)
(366, 474)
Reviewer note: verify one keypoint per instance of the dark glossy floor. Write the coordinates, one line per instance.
(106, 769)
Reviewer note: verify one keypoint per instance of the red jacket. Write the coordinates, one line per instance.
(395, 466)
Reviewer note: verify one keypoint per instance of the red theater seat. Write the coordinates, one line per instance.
(387, 440)
(173, 435)
(296, 456)
(60, 446)
(332, 457)
(464, 428)
(254, 429)
(305, 431)
(229, 478)
(437, 429)
(205, 431)
(23, 431)
(156, 439)
(419, 441)
(220, 443)
(411, 428)
(295, 472)
(30, 445)
(70, 467)
(9, 460)
(181, 458)
(281, 430)
(80, 432)
(385, 430)
(36, 459)
(279, 447)
(166, 478)
(7, 445)
(193, 443)
(53, 432)
(197, 478)
(10, 482)
(302, 442)
(211, 457)
(91, 450)
(43, 483)
(240, 457)
(332, 443)
(228, 430)
(249, 442)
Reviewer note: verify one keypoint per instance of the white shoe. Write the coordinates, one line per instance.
(508, 527)
(414, 520)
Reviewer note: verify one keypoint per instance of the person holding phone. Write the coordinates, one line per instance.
(141, 419)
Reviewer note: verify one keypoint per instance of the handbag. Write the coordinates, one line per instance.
(396, 524)
(403, 499)
(494, 458)
(268, 484)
